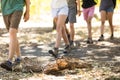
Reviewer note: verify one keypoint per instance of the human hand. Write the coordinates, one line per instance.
(79, 12)
(26, 16)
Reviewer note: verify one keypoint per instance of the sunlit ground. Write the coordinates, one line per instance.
(38, 38)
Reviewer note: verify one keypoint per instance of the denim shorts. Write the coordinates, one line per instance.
(111, 9)
(59, 11)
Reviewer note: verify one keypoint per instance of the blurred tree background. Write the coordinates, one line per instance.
(40, 11)
(43, 6)
(39, 6)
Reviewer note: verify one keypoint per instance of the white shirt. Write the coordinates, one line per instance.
(58, 3)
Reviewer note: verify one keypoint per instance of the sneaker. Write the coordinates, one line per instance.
(17, 61)
(101, 38)
(6, 65)
(67, 49)
(72, 45)
(54, 52)
(89, 41)
(17, 65)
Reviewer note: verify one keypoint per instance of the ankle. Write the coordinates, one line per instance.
(10, 62)
(67, 46)
(102, 35)
(71, 42)
(18, 59)
(112, 35)
(55, 48)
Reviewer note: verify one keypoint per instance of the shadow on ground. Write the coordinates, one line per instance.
(35, 42)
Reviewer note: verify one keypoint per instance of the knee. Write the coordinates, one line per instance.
(88, 21)
(59, 29)
(72, 26)
(12, 31)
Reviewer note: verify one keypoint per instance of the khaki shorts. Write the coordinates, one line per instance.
(12, 20)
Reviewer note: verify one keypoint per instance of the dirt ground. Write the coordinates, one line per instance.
(35, 43)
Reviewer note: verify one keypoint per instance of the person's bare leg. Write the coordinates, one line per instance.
(67, 30)
(89, 27)
(72, 31)
(103, 18)
(18, 53)
(65, 33)
(110, 19)
(54, 23)
(13, 43)
(60, 25)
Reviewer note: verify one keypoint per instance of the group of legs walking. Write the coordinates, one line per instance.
(61, 11)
